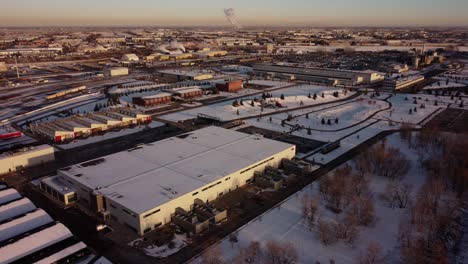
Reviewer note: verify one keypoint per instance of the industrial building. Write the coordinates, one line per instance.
(180, 75)
(29, 235)
(25, 157)
(159, 180)
(320, 75)
(168, 95)
(130, 58)
(230, 86)
(7, 132)
(67, 129)
(393, 84)
(30, 51)
(116, 71)
(3, 67)
(207, 53)
(157, 99)
(187, 92)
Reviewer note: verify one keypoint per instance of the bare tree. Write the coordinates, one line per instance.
(362, 164)
(363, 210)
(277, 253)
(233, 239)
(397, 194)
(212, 256)
(252, 254)
(372, 255)
(334, 188)
(305, 207)
(313, 207)
(327, 232)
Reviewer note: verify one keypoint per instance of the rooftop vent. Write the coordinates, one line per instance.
(133, 149)
(93, 162)
(184, 135)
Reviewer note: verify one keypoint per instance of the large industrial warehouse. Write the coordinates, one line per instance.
(142, 187)
(322, 75)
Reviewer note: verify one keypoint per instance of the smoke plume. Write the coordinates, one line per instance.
(231, 17)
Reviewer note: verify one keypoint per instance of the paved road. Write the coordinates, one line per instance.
(350, 126)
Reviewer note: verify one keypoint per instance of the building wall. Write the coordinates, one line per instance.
(226, 184)
(344, 77)
(117, 72)
(26, 159)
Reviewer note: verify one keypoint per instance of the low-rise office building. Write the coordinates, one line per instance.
(156, 179)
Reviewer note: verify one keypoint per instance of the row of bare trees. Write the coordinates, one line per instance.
(383, 160)
(347, 196)
(433, 225)
(274, 252)
(447, 159)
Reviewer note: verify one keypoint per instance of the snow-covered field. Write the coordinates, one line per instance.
(353, 127)
(370, 129)
(293, 97)
(403, 103)
(285, 223)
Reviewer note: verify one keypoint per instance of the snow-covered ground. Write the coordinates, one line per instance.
(180, 241)
(402, 103)
(285, 223)
(347, 114)
(371, 129)
(293, 97)
(354, 126)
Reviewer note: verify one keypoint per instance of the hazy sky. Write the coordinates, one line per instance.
(249, 12)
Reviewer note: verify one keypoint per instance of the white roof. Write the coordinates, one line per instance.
(185, 73)
(33, 243)
(24, 224)
(130, 57)
(148, 176)
(16, 208)
(62, 254)
(55, 183)
(7, 195)
(158, 95)
(187, 89)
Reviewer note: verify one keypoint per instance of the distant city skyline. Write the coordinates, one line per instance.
(249, 13)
